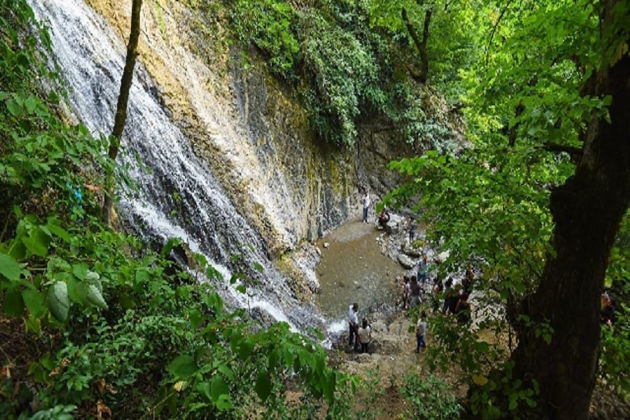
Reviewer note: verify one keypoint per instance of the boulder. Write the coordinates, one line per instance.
(406, 261)
(395, 224)
(379, 326)
(412, 251)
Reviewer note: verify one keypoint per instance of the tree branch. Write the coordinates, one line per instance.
(494, 28)
(574, 152)
(123, 100)
(421, 44)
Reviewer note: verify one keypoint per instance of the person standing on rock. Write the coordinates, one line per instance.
(365, 202)
(365, 335)
(353, 321)
(412, 232)
(421, 329)
(423, 270)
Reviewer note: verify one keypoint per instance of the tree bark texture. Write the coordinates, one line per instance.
(421, 44)
(123, 99)
(587, 211)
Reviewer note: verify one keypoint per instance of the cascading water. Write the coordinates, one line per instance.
(178, 196)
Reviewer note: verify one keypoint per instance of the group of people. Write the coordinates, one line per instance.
(455, 299)
(412, 285)
(360, 335)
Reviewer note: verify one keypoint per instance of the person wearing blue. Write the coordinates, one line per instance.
(423, 270)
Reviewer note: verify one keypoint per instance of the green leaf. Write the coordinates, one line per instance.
(9, 268)
(13, 304)
(204, 389)
(196, 317)
(14, 108)
(245, 349)
(34, 301)
(94, 296)
(226, 371)
(80, 271)
(213, 273)
(183, 366)
(18, 250)
(218, 388)
(224, 402)
(31, 103)
(58, 230)
(94, 279)
(58, 302)
(37, 242)
(263, 385)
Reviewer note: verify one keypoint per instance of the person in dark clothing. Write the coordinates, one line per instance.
(448, 286)
(435, 296)
(453, 298)
(353, 324)
(462, 309)
(406, 292)
(415, 292)
(607, 313)
(383, 218)
(421, 329)
(468, 281)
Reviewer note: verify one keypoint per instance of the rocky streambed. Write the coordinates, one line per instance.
(362, 264)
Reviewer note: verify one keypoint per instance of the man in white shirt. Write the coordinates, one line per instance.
(353, 321)
(365, 201)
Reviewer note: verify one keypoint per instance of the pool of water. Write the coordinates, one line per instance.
(352, 269)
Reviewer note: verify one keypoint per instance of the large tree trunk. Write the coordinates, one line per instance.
(123, 100)
(587, 211)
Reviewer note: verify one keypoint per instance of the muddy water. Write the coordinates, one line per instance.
(352, 269)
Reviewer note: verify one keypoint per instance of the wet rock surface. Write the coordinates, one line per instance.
(406, 261)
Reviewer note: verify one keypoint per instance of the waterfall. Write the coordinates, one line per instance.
(177, 194)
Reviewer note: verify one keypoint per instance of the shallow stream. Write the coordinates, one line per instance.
(353, 269)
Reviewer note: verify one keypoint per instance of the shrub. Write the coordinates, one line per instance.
(430, 398)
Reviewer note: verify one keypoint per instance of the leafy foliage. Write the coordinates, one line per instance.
(489, 204)
(430, 398)
(269, 25)
(343, 69)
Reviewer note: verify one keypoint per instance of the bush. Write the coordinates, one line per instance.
(430, 398)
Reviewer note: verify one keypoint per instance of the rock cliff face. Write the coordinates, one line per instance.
(234, 166)
(253, 134)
